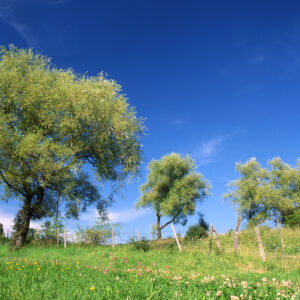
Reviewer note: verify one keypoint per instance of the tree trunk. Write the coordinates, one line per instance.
(158, 228)
(22, 223)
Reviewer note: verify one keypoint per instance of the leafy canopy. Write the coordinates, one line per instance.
(52, 123)
(266, 194)
(173, 187)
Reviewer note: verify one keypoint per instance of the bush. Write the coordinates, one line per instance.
(96, 235)
(293, 220)
(199, 230)
(196, 231)
(143, 244)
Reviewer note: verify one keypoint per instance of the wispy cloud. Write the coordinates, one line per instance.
(121, 216)
(127, 215)
(258, 59)
(179, 121)
(208, 149)
(8, 14)
(7, 220)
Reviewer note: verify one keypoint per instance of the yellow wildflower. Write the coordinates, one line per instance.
(92, 288)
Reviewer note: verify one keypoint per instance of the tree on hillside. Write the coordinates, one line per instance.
(1, 230)
(54, 122)
(245, 191)
(282, 193)
(172, 189)
(266, 194)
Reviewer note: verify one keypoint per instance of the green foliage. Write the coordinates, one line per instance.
(293, 219)
(1, 230)
(96, 235)
(266, 194)
(52, 123)
(198, 230)
(245, 193)
(173, 188)
(143, 244)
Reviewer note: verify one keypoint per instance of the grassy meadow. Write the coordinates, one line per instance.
(81, 272)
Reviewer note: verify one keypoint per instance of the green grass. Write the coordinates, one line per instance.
(161, 273)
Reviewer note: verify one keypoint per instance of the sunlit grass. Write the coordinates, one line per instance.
(161, 273)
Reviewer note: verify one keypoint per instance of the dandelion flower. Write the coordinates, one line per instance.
(92, 288)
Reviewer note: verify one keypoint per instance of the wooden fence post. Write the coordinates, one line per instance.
(210, 240)
(236, 234)
(216, 237)
(282, 244)
(176, 238)
(65, 238)
(138, 234)
(57, 236)
(113, 236)
(260, 244)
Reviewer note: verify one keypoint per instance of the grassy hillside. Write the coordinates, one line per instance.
(160, 273)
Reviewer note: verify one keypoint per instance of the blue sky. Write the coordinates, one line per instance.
(216, 79)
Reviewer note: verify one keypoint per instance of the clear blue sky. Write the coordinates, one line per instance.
(216, 79)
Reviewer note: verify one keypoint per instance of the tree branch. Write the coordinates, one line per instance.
(10, 185)
(169, 222)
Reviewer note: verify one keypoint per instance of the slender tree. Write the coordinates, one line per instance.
(244, 192)
(53, 123)
(1, 230)
(172, 189)
(282, 193)
(266, 194)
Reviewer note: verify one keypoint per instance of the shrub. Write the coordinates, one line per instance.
(143, 244)
(199, 230)
(96, 235)
(293, 220)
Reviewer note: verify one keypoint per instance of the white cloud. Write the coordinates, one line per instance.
(180, 120)
(8, 15)
(127, 215)
(208, 149)
(258, 60)
(7, 220)
(121, 216)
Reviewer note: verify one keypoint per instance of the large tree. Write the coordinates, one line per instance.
(53, 123)
(172, 189)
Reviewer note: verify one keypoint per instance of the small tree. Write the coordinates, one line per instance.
(282, 193)
(96, 235)
(172, 189)
(266, 194)
(245, 191)
(198, 230)
(1, 230)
